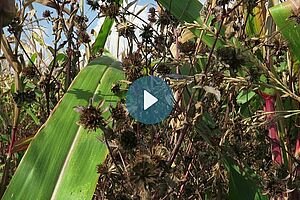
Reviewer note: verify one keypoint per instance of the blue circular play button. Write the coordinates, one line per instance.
(149, 100)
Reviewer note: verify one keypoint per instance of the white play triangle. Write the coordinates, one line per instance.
(149, 100)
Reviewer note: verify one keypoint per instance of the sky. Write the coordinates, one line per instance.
(112, 42)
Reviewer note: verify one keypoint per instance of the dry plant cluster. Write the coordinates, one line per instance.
(223, 95)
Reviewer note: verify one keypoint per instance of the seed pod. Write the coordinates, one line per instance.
(151, 15)
(29, 72)
(163, 69)
(125, 29)
(128, 140)
(147, 33)
(93, 4)
(110, 10)
(90, 117)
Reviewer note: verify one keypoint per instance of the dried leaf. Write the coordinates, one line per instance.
(211, 90)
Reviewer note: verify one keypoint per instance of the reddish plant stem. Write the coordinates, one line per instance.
(297, 152)
(5, 175)
(185, 178)
(295, 194)
(12, 141)
(273, 132)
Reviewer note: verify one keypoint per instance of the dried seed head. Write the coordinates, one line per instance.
(80, 19)
(110, 10)
(30, 96)
(126, 29)
(133, 73)
(159, 40)
(229, 56)
(152, 11)
(132, 59)
(90, 117)
(29, 72)
(128, 140)
(147, 33)
(187, 47)
(84, 37)
(132, 66)
(144, 171)
(116, 88)
(152, 16)
(164, 19)
(46, 14)
(163, 69)
(15, 26)
(21, 98)
(119, 112)
(94, 4)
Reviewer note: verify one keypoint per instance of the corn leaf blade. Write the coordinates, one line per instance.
(61, 161)
(290, 29)
(189, 11)
(102, 35)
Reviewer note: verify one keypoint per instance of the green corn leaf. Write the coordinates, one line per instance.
(241, 186)
(287, 25)
(104, 33)
(189, 11)
(61, 161)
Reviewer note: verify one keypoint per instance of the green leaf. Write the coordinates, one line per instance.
(33, 116)
(38, 38)
(33, 59)
(61, 161)
(102, 35)
(255, 22)
(245, 96)
(287, 25)
(61, 57)
(240, 186)
(209, 121)
(189, 11)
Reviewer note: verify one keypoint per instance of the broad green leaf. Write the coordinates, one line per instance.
(103, 33)
(61, 161)
(189, 11)
(287, 25)
(240, 186)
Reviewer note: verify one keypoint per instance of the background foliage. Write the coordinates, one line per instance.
(233, 134)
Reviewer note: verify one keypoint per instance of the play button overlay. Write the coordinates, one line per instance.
(149, 100)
